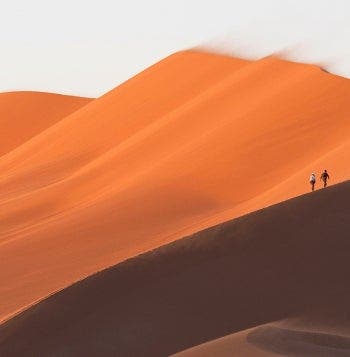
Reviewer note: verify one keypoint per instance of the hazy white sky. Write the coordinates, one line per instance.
(87, 47)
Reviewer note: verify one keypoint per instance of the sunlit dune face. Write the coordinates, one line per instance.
(24, 115)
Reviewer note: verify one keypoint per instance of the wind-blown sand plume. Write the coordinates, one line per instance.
(25, 114)
(174, 150)
(282, 262)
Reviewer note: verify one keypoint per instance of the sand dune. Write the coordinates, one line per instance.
(23, 115)
(289, 261)
(193, 141)
(235, 344)
(271, 340)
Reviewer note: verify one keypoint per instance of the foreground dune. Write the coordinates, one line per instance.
(288, 262)
(271, 340)
(25, 114)
(193, 141)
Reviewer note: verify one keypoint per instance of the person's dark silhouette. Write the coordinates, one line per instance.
(324, 178)
(312, 181)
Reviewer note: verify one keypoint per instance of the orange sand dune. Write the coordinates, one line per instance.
(25, 114)
(107, 122)
(288, 262)
(192, 141)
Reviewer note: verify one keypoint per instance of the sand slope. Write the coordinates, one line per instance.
(271, 340)
(195, 140)
(288, 260)
(235, 344)
(26, 114)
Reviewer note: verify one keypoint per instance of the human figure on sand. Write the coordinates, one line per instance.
(312, 181)
(324, 177)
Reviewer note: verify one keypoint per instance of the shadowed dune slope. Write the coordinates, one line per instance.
(25, 114)
(194, 140)
(235, 344)
(320, 330)
(272, 340)
(272, 264)
(299, 343)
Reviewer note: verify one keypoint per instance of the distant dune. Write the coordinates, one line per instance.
(288, 262)
(191, 142)
(26, 114)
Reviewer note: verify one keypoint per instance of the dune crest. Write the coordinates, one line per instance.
(24, 115)
(193, 141)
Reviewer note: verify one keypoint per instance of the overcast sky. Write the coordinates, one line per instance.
(87, 47)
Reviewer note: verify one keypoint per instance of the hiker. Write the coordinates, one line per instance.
(324, 177)
(312, 181)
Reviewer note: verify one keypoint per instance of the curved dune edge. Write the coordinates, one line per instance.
(193, 141)
(24, 115)
(299, 343)
(271, 340)
(262, 267)
(235, 344)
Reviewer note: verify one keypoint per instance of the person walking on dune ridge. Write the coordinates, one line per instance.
(312, 181)
(324, 177)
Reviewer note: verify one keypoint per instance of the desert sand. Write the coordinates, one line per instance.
(193, 141)
(271, 340)
(23, 115)
(281, 263)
